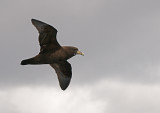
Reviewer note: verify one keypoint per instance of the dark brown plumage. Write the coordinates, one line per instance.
(52, 53)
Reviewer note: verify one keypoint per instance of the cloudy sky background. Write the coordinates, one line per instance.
(120, 71)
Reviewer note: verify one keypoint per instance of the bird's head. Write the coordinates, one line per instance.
(72, 51)
(75, 51)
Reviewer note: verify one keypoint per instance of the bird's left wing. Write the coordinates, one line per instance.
(64, 73)
(47, 36)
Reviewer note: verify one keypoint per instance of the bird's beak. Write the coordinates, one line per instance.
(80, 53)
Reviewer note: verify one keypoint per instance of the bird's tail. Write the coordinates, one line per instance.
(25, 62)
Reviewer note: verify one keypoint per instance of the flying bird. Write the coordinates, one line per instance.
(52, 53)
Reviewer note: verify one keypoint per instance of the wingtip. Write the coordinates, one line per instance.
(32, 20)
(35, 21)
(40, 25)
(64, 82)
(64, 88)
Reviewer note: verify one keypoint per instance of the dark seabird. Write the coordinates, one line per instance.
(51, 52)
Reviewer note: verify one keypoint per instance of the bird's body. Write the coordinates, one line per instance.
(61, 54)
(52, 53)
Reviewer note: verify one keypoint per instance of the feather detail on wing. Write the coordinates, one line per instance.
(64, 73)
(47, 36)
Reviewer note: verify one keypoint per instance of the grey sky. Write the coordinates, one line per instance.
(120, 39)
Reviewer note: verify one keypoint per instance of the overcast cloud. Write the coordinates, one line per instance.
(120, 71)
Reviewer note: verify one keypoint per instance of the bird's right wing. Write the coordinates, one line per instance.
(64, 73)
(47, 36)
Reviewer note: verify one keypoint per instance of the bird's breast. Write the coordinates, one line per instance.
(58, 55)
